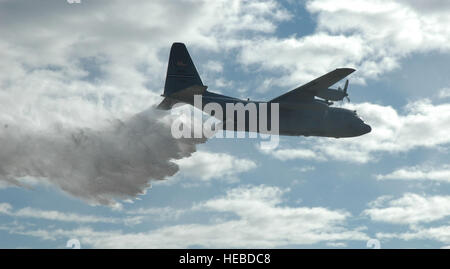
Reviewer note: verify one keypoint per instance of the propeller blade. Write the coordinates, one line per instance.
(346, 86)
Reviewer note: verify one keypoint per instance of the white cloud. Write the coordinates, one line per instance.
(301, 59)
(214, 66)
(73, 76)
(419, 173)
(369, 35)
(158, 213)
(380, 201)
(437, 6)
(205, 166)
(409, 209)
(103, 69)
(259, 220)
(53, 215)
(444, 93)
(337, 244)
(440, 234)
(414, 29)
(413, 210)
(81, 67)
(292, 154)
(305, 169)
(421, 125)
(5, 208)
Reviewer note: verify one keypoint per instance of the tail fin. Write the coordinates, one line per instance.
(181, 72)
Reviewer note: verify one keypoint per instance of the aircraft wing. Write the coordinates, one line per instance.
(308, 91)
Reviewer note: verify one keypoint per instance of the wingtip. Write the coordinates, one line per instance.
(347, 69)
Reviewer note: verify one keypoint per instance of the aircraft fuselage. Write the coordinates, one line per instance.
(312, 118)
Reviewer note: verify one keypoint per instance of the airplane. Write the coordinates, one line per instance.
(300, 113)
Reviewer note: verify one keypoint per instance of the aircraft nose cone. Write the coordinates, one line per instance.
(367, 129)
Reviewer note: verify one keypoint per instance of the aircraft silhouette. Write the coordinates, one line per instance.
(300, 113)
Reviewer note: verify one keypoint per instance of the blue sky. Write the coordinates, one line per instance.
(73, 74)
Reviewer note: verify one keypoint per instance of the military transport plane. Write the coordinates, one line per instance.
(300, 113)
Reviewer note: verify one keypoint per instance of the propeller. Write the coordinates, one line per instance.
(345, 87)
(345, 90)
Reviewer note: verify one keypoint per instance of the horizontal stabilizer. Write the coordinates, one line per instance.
(183, 96)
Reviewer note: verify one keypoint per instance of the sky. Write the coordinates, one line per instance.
(84, 155)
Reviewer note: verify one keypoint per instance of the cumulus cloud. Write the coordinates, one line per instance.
(435, 6)
(305, 169)
(409, 209)
(157, 213)
(337, 244)
(437, 174)
(53, 215)
(415, 211)
(421, 124)
(75, 79)
(444, 93)
(292, 154)
(208, 165)
(98, 59)
(439, 233)
(259, 220)
(298, 60)
(371, 36)
(414, 31)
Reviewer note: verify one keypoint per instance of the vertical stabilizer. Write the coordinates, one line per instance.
(181, 72)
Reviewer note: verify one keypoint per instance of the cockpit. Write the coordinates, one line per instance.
(348, 123)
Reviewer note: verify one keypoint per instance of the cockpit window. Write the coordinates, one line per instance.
(356, 114)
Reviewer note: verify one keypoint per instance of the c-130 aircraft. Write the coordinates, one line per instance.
(300, 113)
